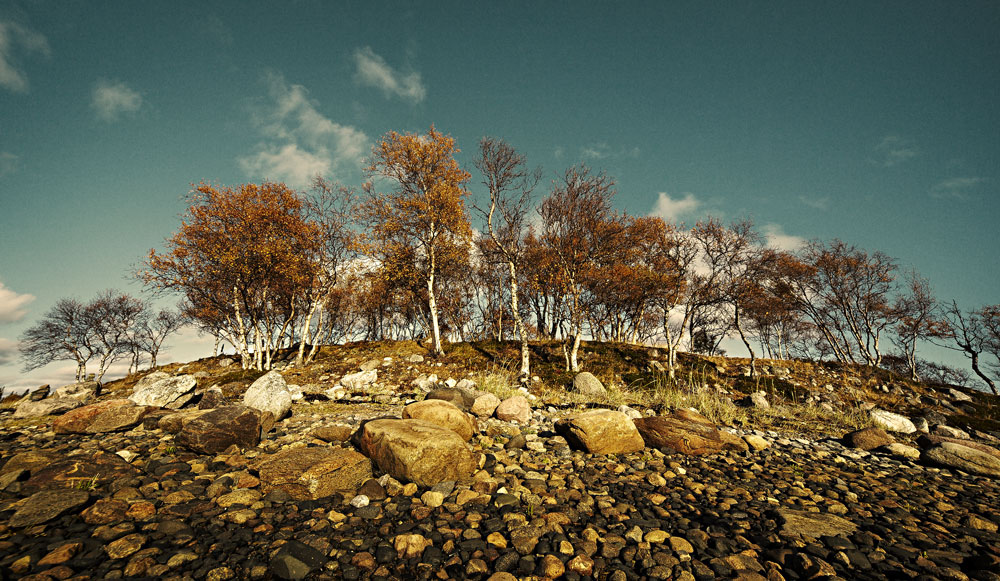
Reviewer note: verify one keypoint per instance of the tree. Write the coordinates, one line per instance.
(973, 334)
(152, 331)
(510, 184)
(63, 333)
(111, 318)
(916, 321)
(240, 259)
(581, 228)
(424, 212)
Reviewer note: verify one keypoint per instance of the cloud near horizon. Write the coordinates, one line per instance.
(112, 100)
(299, 141)
(373, 71)
(15, 37)
(12, 305)
(779, 240)
(672, 209)
(894, 150)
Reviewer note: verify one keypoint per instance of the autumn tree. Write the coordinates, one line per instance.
(509, 183)
(581, 227)
(424, 209)
(240, 258)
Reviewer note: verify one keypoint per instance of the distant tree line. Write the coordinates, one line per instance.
(264, 267)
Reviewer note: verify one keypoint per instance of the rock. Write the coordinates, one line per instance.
(901, 450)
(442, 413)
(416, 450)
(169, 392)
(106, 416)
(682, 431)
(359, 381)
(757, 400)
(892, 422)
(334, 433)
(39, 393)
(732, 441)
(269, 394)
(514, 409)
(149, 379)
(484, 404)
(957, 395)
(929, 441)
(46, 505)
(312, 473)
(80, 471)
(814, 524)
(601, 432)
(30, 408)
(457, 397)
(30, 461)
(371, 364)
(950, 432)
(415, 358)
(295, 561)
(83, 391)
(868, 438)
(756, 442)
(586, 384)
(173, 423)
(212, 398)
(411, 545)
(632, 413)
(963, 458)
(218, 429)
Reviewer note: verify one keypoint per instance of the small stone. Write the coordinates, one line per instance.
(125, 546)
(360, 501)
(432, 499)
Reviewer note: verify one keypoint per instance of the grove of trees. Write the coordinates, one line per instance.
(264, 267)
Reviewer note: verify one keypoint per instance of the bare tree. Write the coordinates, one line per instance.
(916, 311)
(63, 333)
(111, 317)
(510, 184)
(973, 334)
(154, 329)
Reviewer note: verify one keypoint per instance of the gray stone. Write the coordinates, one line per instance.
(892, 422)
(586, 384)
(83, 391)
(269, 394)
(359, 381)
(485, 404)
(39, 393)
(963, 458)
(29, 408)
(295, 561)
(168, 392)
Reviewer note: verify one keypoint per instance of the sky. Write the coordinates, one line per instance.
(874, 122)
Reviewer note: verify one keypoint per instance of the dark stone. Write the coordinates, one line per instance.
(295, 560)
(221, 428)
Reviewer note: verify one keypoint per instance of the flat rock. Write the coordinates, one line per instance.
(269, 393)
(359, 381)
(30, 408)
(892, 422)
(460, 398)
(218, 429)
(173, 423)
(89, 470)
(682, 431)
(83, 391)
(46, 505)
(417, 450)
(963, 458)
(311, 473)
(814, 524)
(442, 413)
(295, 561)
(105, 416)
(601, 432)
(165, 392)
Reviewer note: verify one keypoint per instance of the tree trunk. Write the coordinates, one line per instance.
(519, 323)
(739, 329)
(432, 305)
(983, 376)
(306, 335)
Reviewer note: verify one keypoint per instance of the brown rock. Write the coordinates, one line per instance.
(514, 409)
(311, 473)
(334, 433)
(86, 471)
(105, 511)
(965, 458)
(682, 431)
(173, 423)
(46, 505)
(105, 416)
(218, 429)
(868, 438)
(125, 546)
(416, 450)
(814, 524)
(929, 441)
(442, 413)
(601, 432)
(61, 554)
(30, 461)
(410, 546)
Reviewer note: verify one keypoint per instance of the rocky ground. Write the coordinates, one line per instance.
(132, 490)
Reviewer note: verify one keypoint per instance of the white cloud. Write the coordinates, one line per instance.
(894, 150)
(12, 305)
(955, 187)
(111, 100)
(779, 240)
(602, 150)
(373, 71)
(299, 141)
(672, 209)
(8, 163)
(13, 36)
(8, 351)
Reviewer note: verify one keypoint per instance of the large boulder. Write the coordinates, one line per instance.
(88, 470)
(312, 473)
(416, 450)
(461, 398)
(586, 383)
(931, 440)
(269, 394)
(218, 429)
(683, 431)
(173, 423)
(601, 432)
(868, 438)
(106, 416)
(165, 392)
(963, 458)
(442, 413)
(30, 408)
(514, 409)
(892, 422)
(83, 391)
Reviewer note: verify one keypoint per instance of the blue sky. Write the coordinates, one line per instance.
(874, 122)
